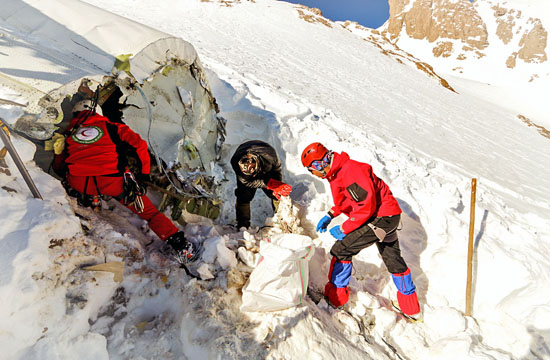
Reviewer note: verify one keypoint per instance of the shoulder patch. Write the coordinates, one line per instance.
(87, 135)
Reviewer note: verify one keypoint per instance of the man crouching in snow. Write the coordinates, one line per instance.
(256, 166)
(94, 164)
(374, 216)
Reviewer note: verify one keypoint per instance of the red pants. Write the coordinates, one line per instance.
(113, 186)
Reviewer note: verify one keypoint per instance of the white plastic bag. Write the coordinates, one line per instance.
(280, 278)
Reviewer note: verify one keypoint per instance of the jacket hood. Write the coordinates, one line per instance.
(338, 160)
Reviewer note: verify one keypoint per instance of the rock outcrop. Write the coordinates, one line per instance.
(456, 28)
(438, 19)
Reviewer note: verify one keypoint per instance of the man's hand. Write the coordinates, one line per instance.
(323, 223)
(279, 188)
(337, 233)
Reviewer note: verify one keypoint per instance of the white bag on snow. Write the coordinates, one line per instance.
(280, 278)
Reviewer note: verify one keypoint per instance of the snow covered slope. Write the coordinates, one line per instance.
(346, 79)
(501, 43)
(285, 75)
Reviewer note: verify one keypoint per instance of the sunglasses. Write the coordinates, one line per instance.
(319, 165)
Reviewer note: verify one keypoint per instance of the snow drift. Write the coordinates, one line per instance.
(271, 83)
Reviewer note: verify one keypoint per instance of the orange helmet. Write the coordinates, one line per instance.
(312, 152)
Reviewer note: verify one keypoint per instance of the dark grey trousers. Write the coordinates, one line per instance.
(364, 236)
(242, 206)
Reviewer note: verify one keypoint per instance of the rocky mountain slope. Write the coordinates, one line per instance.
(461, 29)
(499, 47)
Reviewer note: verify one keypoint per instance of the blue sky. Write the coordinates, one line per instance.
(369, 13)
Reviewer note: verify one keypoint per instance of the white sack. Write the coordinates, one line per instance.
(280, 278)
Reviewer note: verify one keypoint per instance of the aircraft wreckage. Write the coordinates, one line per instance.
(55, 53)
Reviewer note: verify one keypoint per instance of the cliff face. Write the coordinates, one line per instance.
(460, 29)
(438, 19)
(533, 36)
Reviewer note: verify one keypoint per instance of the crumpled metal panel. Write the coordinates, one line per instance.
(48, 52)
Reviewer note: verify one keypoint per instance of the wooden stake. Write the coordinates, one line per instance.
(471, 250)
(5, 137)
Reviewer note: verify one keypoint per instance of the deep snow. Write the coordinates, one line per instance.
(289, 82)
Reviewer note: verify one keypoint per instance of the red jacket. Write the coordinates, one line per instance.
(96, 146)
(358, 193)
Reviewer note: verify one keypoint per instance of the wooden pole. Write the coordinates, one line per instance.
(471, 250)
(4, 136)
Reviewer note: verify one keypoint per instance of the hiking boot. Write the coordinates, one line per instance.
(185, 250)
(418, 317)
(177, 241)
(341, 307)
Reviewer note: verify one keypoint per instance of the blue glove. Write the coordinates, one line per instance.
(323, 223)
(337, 233)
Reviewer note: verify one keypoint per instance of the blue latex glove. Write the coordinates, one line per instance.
(337, 233)
(323, 223)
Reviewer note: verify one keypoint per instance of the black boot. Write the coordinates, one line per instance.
(185, 250)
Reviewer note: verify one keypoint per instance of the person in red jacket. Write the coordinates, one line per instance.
(373, 217)
(94, 164)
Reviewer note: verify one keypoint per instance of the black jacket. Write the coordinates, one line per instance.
(269, 164)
